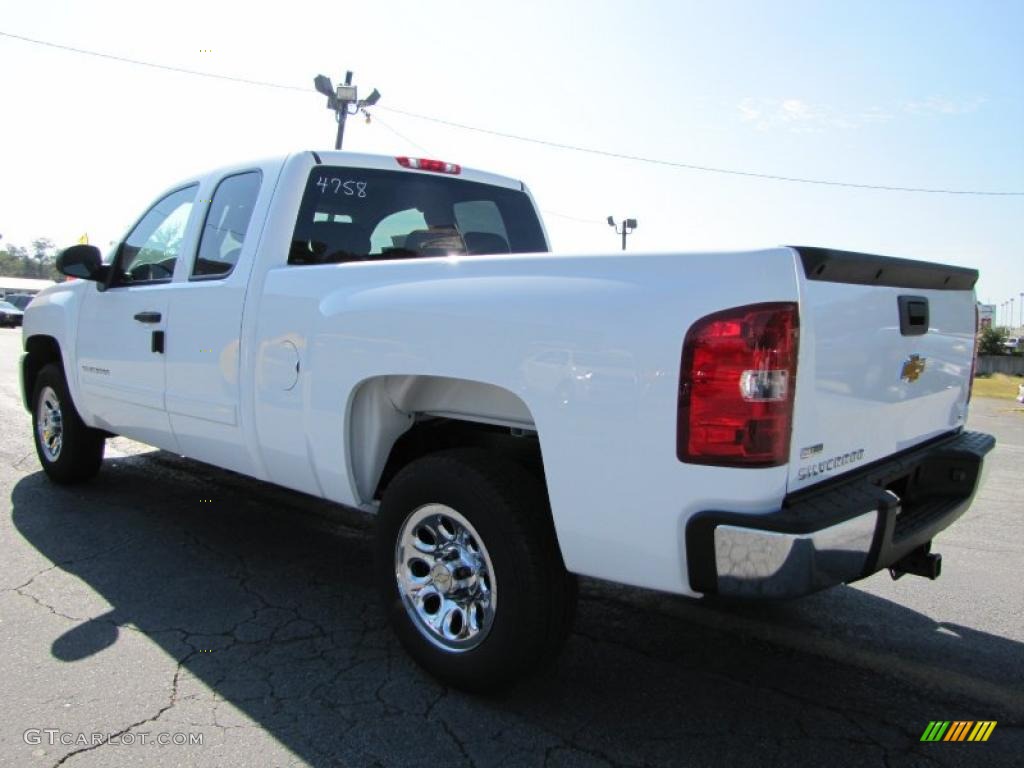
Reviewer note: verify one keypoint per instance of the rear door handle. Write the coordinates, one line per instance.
(148, 317)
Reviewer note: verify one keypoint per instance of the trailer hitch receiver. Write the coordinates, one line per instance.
(919, 562)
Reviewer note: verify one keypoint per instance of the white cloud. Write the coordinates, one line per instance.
(874, 115)
(937, 105)
(792, 114)
(797, 110)
(749, 112)
(798, 115)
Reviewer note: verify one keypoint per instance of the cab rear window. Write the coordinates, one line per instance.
(353, 214)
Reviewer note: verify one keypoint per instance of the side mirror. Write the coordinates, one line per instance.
(81, 261)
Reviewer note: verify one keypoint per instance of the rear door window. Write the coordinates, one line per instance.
(352, 214)
(227, 221)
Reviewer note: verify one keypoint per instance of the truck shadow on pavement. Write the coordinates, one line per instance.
(264, 597)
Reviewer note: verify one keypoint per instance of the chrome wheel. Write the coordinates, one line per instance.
(49, 424)
(445, 578)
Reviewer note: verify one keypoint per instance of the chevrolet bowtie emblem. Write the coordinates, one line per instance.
(913, 368)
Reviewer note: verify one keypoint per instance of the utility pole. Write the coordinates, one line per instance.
(342, 100)
(628, 225)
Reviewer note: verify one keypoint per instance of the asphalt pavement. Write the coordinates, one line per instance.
(169, 601)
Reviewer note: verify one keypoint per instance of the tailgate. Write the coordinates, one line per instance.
(886, 349)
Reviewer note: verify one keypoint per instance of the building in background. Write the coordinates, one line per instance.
(32, 286)
(986, 315)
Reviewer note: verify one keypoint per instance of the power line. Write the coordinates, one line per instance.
(403, 137)
(693, 167)
(139, 62)
(532, 140)
(577, 219)
(246, 81)
(425, 151)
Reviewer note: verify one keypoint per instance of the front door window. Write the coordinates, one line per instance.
(150, 252)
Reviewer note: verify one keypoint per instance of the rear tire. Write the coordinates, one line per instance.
(68, 450)
(469, 570)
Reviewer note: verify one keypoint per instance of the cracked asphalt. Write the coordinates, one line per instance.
(172, 597)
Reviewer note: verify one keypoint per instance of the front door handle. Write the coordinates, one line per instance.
(148, 317)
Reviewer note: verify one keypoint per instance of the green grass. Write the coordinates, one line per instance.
(998, 385)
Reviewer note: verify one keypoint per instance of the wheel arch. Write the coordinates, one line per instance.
(40, 350)
(385, 408)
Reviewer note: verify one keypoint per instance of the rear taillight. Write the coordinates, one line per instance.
(435, 166)
(736, 387)
(974, 352)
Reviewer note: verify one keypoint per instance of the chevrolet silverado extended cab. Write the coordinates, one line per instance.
(392, 334)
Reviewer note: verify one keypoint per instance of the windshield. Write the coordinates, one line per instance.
(354, 214)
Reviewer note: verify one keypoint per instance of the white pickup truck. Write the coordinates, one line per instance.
(391, 334)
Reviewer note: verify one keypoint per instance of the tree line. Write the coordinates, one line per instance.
(992, 341)
(36, 261)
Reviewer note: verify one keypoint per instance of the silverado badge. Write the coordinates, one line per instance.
(913, 368)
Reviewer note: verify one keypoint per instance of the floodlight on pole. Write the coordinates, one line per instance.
(628, 225)
(344, 101)
(323, 84)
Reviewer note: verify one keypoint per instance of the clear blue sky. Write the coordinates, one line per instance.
(923, 94)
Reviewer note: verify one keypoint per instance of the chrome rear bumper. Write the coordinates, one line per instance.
(751, 561)
(838, 531)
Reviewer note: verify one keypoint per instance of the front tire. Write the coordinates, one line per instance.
(469, 569)
(68, 450)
